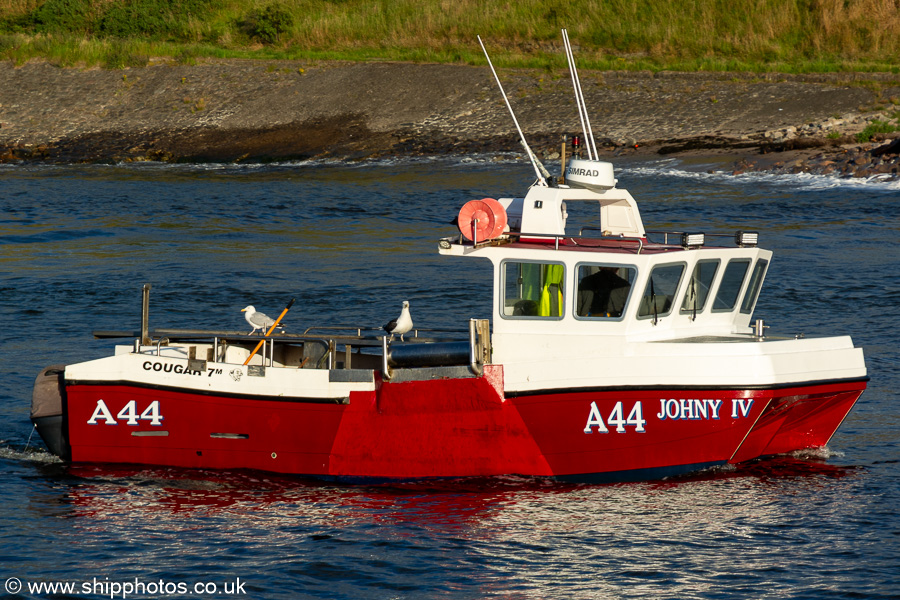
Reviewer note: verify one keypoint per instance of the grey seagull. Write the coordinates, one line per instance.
(257, 320)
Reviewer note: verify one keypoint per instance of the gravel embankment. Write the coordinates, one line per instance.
(280, 110)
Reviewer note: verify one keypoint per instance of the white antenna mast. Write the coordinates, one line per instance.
(534, 161)
(579, 100)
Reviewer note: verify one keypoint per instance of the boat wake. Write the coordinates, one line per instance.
(27, 454)
(802, 463)
(823, 453)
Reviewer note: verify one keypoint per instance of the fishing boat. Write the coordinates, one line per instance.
(612, 353)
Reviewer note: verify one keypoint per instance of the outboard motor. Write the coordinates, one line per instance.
(47, 410)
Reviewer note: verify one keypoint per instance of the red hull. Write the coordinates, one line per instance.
(453, 428)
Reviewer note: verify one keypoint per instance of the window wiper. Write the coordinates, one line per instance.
(694, 294)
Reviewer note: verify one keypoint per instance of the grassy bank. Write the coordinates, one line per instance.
(754, 35)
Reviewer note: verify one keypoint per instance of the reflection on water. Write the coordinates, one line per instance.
(440, 502)
(512, 535)
(351, 241)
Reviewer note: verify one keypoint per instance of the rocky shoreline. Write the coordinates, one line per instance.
(258, 111)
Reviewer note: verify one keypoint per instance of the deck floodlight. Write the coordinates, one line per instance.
(692, 240)
(746, 239)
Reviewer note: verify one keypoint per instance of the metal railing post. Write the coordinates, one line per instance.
(145, 316)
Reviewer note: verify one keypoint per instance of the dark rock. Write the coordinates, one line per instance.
(889, 148)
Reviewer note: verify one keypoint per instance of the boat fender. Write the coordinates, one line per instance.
(482, 220)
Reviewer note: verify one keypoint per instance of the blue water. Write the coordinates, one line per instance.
(350, 242)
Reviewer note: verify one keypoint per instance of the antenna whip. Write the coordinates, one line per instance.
(579, 100)
(531, 156)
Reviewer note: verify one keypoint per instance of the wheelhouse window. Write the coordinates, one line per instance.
(533, 289)
(756, 279)
(698, 286)
(732, 282)
(603, 290)
(660, 292)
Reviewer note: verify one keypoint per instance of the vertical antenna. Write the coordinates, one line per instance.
(528, 151)
(579, 100)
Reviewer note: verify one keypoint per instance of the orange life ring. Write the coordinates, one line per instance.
(485, 218)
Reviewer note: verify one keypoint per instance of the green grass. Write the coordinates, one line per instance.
(873, 128)
(708, 35)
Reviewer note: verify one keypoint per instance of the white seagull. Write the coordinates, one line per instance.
(257, 320)
(401, 324)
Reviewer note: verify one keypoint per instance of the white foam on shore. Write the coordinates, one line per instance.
(807, 181)
(389, 161)
(626, 166)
